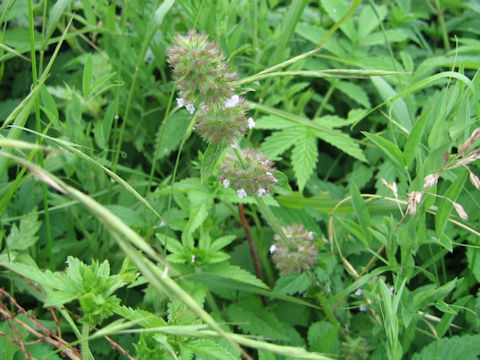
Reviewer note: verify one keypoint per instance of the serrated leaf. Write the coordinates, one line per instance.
(250, 316)
(354, 92)
(466, 347)
(24, 236)
(271, 122)
(221, 242)
(323, 337)
(58, 298)
(293, 283)
(235, 273)
(47, 278)
(280, 141)
(304, 158)
(207, 349)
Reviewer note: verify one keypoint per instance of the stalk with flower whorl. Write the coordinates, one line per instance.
(201, 72)
(253, 177)
(205, 83)
(298, 254)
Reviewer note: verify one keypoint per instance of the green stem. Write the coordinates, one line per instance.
(85, 345)
(443, 27)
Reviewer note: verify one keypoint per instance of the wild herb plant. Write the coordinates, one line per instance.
(239, 179)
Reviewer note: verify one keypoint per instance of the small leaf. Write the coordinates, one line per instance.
(361, 210)
(293, 283)
(280, 141)
(304, 159)
(250, 316)
(24, 236)
(208, 349)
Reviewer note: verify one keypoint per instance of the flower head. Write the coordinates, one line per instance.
(298, 254)
(255, 179)
(241, 193)
(200, 69)
(223, 125)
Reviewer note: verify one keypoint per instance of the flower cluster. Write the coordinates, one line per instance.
(206, 83)
(298, 254)
(252, 177)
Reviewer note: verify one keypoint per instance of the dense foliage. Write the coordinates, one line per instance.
(226, 179)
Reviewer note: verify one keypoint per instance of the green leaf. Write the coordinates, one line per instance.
(55, 14)
(87, 76)
(170, 134)
(128, 216)
(466, 347)
(272, 122)
(221, 242)
(250, 316)
(354, 92)
(59, 298)
(333, 137)
(304, 159)
(210, 159)
(24, 236)
(293, 283)
(361, 210)
(280, 141)
(389, 148)
(399, 107)
(103, 128)
(415, 137)
(208, 349)
(335, 10)
(323, 337)
(235, 273)
(445, 206)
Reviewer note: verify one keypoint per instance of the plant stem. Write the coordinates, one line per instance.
(85, 345)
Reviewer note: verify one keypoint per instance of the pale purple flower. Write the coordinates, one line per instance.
(273, 248)
(241, 193)
(359, 292)
(362, 308)
(232, 102)
(234, 146)
(261, 192)
(251, 123)
(226, 183)
(310, 235)
(192, 257)
(180, 102)
(190, 108)
(392, 291)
